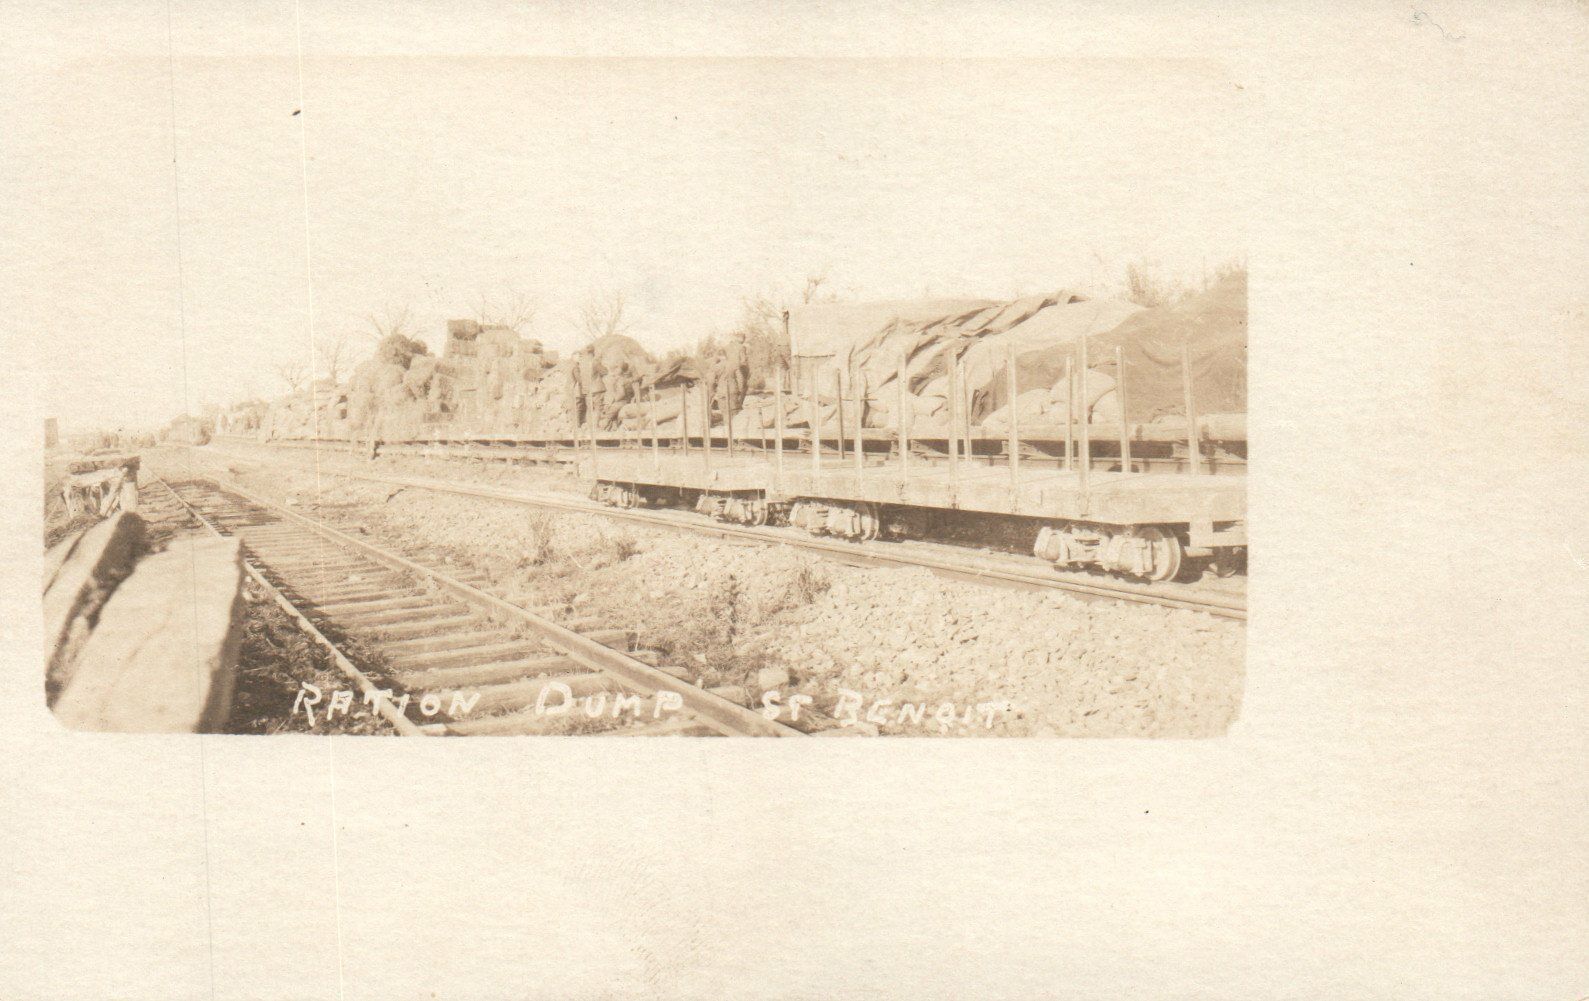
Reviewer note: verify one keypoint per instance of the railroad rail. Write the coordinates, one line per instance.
(1026, 573)
(411, 637)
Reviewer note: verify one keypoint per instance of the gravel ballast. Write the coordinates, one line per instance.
(898, 650)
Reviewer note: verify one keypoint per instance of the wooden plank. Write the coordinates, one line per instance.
(88, 571)
(162, 657)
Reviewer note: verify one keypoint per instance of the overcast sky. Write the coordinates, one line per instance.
(688, 184)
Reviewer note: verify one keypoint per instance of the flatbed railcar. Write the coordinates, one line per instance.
(1089, 510)
(1106, 508)
(1147, 500)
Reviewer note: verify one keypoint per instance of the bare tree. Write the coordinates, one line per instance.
(813, 286)
(392, 320)
(513, 309)
(761, 321)
(294, 373)
(1145, 287)
(334, 351)
(763, 314)
(601, 315)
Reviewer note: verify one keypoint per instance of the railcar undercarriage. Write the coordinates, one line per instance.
(1151, 552)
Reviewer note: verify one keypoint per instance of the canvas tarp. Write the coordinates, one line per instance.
(921, 344)
(1044, 332)
(1211, 325)
(823, 329)
(1041, 344)
(920, 340)
(675, 372)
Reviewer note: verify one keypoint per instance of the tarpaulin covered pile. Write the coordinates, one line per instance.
(920, 338)
(827, 329)
(1040, 345)
(862, 348)
(1211, 326)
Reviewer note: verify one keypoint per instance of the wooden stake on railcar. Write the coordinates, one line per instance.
(858, 391)
(1120, 398)
(901, 427)
(815, 419)
(1085, 412)
(684, 417)
(777, 443)
(953, 364)
(1015, 432)
(1070, 414)
(706, 434)
(838, 410)
(590, 417)
(730, 411)
(656, 449)
(965, 412)
(1193, 457)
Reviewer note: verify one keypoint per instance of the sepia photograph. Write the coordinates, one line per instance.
(594, 404)
(1165, 425)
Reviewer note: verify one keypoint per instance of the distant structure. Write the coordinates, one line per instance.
(187, 430)
(52, 433)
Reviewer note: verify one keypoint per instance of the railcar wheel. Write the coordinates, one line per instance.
(1228, 561)
(871, 522)
(1164, 549)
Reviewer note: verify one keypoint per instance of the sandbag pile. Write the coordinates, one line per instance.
(244, 418)
(489, 378)
(320, 408)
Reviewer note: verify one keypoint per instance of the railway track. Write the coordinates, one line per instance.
(1211, 597)
(417, 641)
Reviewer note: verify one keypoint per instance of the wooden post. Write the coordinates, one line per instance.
(902, 424)
(838, 409)
(777, 444)
(953, 365)
(1193, 455)
(815, 419)
(728, 418)
(656, 449)
(590, 428)
(965, 411)
(706, 433)
(859, 392)
(584, 409)
(1070, 415)
(1015, 431)
(684, 416)
(1120, 399)
(1086, 428)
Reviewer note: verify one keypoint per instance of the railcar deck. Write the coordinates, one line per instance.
(1105, 497)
